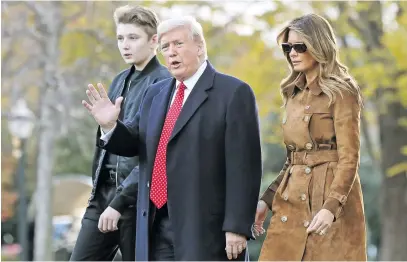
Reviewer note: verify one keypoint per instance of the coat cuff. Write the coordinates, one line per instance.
(244, 230)
(268, 197)
(118, 204)
(333, 205)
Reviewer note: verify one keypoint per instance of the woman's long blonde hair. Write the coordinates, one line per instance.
(317, 34)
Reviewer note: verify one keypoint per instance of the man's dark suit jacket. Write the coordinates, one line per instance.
(214, 163)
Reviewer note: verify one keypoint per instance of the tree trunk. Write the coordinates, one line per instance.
(50, 27)
(393, 136)
(394, 188)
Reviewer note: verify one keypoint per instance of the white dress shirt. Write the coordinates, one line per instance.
(189, 85)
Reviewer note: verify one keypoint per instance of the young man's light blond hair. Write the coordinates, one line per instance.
(139, 16)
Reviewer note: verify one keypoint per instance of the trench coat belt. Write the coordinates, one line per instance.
(316, 163)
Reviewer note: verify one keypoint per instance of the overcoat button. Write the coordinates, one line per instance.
(283, 219)
(303, 197)
(308, 146)
(307, 170)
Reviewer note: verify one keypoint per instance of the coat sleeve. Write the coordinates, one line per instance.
(268, 195)
(126, 193)
(346, 114)
(124, 140)
(243, 162)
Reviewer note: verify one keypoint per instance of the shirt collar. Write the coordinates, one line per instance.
(191, 82)
(301, 82)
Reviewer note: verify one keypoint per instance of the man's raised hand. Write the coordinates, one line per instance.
(102, 109)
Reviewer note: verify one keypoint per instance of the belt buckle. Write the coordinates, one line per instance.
(112, 174)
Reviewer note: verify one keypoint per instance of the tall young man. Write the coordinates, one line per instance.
(110, 218)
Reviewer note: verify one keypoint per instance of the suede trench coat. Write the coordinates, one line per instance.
(321, 171)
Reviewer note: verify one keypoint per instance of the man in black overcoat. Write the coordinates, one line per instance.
(198, 141)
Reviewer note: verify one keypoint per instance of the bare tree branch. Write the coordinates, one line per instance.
(26, 28)
(400, 10)
(75, 16)
(97, 34)
(35, 33)
(7, 57)
(36, 7)
(30, 64)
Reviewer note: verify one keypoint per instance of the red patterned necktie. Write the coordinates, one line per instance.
(158, 192)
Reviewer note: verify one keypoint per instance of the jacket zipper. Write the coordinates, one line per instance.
(117, 169)
(118, 157)
(95, 183)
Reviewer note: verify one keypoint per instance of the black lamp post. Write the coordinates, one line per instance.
(21, 123)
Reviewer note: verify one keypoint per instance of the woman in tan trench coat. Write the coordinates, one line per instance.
(316, 200)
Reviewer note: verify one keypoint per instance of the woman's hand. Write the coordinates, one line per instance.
(321, 222)
(261, 214)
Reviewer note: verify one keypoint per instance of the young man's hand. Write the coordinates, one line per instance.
(101, 108)
(108, 220)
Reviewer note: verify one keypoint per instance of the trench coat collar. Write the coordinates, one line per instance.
(301, 83)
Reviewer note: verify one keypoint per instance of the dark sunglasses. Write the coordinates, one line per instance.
(298, 47)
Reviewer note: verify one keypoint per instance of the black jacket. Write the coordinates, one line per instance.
(152, 73)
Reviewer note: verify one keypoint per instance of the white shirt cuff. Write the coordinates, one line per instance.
(106, 136)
